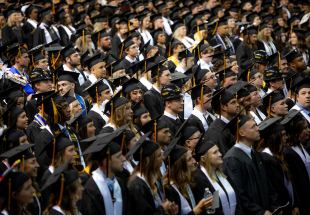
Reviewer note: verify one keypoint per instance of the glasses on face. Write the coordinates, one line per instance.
(194, 138)
(259, 77)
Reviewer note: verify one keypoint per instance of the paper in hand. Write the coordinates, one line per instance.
(216, 199)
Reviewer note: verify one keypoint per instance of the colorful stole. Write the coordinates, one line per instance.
(82, 102)
(38, 119)
(79, 160)
(174, 60)
(222, 43)
(27, 88)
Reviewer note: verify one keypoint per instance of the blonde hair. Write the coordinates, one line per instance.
(207, 166)
(98, 27)
(196, 36)
(84, 48)
(10, 23)
(188, 85)
(260, 36)
(244, 112)
(177, 35)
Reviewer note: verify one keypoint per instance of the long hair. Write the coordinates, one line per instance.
(177, 35)
(273, 143)
(83, 48)
(249, 45)
(98, 27)
(260, 36)
(148, 171)
(180, 175)
(118, 31)
(128, 96)
(207, 166)
(67, 201)
(10, 22)
(244, 112)
(301, 44)
(295, 131)
(50, 119)
(119, 120)
(83, 132)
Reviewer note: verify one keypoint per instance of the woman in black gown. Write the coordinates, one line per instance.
(65, 29)
(271, 147)
(30, 25)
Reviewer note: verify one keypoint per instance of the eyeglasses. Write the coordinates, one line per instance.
(195, 137)
(259, 76)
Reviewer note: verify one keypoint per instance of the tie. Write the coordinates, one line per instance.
(110, 184)
(254, 160)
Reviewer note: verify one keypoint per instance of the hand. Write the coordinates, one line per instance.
(203, 205)
(29, 97)
(1, 66)
(167, 206)
(174, 209)
(267, 213)
(295, 211)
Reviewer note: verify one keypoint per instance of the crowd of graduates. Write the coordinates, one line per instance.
(142, 106)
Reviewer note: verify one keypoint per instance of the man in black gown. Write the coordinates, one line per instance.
(296, 63)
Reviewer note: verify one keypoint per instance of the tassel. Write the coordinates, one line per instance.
(111, 71)
(158, 82)
(220, 106)
(55, 111)
(140, 162)
(279, 59)
(83, 38)
(169, 49)
(220, 2)
(269, 107)
(201, 96)
(123, 141)
(291, 29)
(258, 30)
(9, 199)
(54, 62)
(194, 153)
(61, 188)
(54, 147)
(33, 62)
(23, 164)
(248, 77)
(198, 33)
(215, 29)
(53, 8)
(198, 52)
(223, 78)
(99, 40)
(163, 189)
(291, 83)
(42, 108)
(97, 96)
(111, 112)
(169, 170)
(108, 20)
(237, 135)
(155, 129)
(236, 97)
(77, 126)
(120, 56)
(108, 162)
(224, 61)
(9, 119)
(145, 69)
(129, 27)
(194, 81)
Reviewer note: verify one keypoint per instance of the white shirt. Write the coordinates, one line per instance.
(188, 105)
(170, 116)
(92, 78)
(180, 69)
(146, 83)
(81, 78)
(244, 148)
(202, 118)
(203, 65)
(146, 36)
(156, 89)
(224, 119)
(261, 93)
(269, 91)
(167, 26)
(129, 59)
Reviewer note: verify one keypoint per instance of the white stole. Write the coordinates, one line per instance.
(99, 179)
(304, 156)
(119, 36)
(4, 212)
(146, 37)
(32, 22)
(48, 37)
(127, 165)
(110, 125)
(229, 207)
(203, 120)
(270, 50)
(69, 33)
(99, 111)
(185, 207)
(51, 169)
(188, 105)
(187, 42)
(57, 208)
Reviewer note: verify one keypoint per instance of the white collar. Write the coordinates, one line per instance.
(224, 119)
(100, 112)
(267, 150)
(156, 89)
(92, 78)
(66, 68)
(180, 69)
(170, 115)
(244, 148)
(146, 83)
(129, 59)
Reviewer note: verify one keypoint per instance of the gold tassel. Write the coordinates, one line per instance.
(98, 39)
(129, 27)
(201, 97)
(237, 135)
(111, 71)
(291, 29)
(248, 77)
(120, 56)
(33, 62)
(55, 111)
(169, 49)
(186, 58)
(224, 61)
(198, 52)
(269, 109)
(111, 112)
(61, 188)
(220, 106)
(194, 81)
(236, 97)
(140, 162)
(123, 141)
(83, 38)
(224, 74)
(291, 83)
(295, 96)
(169, 170)
(97, 96)
(54, 147)
(158, 81)
(108, 162)
(23, 164)
(279, 59)
(145, 69)
(155, 129)
(215, 29)
(42, 108)
(54, 62)
(198, 33)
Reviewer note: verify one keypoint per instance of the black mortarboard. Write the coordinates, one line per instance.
(67, 76)
(156, 33)
(95, 59)
(156, 69)
(10, 138)
(154, 17)
(221, 97)
(198, 91)
(80, 16)
(36, 55)
(11, 114)
(199, 74)
(44, 12)
(152, 124)
(138, 110)
(41, 96)
(120, 80)
(251, 16)
(220, 56)
(185, 132)
(275, 59)
(130, 86)
(61, 13)
(51, 102)
(270, 126)
(12, 93)
(20, 152)
(146, 49)
(177, 24)
(133, 33)
(84, 57)
(114, 67)
(292, 118)
(96, 88)
(270, 99)
(16, 51)
(79, 120)
(115, 102)
(304, 83)
(247, 74)
(177, 78)
(272, 73)
(125, 44)
(99, 18)
(239, 89)
(292, 55)
(67, 51)
(10, 10)
(201, 148)
(185, 54)
(225, 73)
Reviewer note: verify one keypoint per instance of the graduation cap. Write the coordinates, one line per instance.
(11, 182)
(133, 33)
(79, 120)
(115, 102)
(122, 139)
(292, 55)
(61, 13)
(63, 75)
(171, 45)
(67, 51)
(94, 60)
(185, 132)
(51, 103)
(154, 125)
(96, 88)
(270, 99)
(138, 110)
(221, 97)
(129, 86)
(21, 152)
(38, 75)
(226, 73)
(11, 113)
(16, 51)
(178, 79)
(177, 25)
(270, 126)
(291, 119)
(12, 92)
(251, 17)
(36, 55)
(155, 17)
(273, 73)
(198, 91)
(156, 33)
(113, 19)
(275, 58)
(30, 8)
(156, 69)
(146, 49)
(40, 98)
(115, 66)
(185, 53)
(80, 16)
(189, 75)
(98, 35)
(247, 74)
(82, 33)
(239, 89)
(304, 83)
(84, 57)
(10, 10)
(220, 56)
(125, 44)
(171, 91)
(60, 179)
(199, 74)
(201, 148)
(236, 123)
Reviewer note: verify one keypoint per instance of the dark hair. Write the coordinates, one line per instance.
(279, 44)
(63, 19)
(83, 132)
(246, 41)
(295, 131)
(50, 119)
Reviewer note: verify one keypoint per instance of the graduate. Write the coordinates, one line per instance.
(274, 105)
(120, 37)
(159, 37)
(66, 31)
(221, 37)
(29, 27)
(227, 77)
(83, 125)
(144, 21)
(105, 193)
(274, 78)
(130, 50)
(296, 63)
(186, 61)
(38, 60)
(173, 101)
(140, 116)
(246, 168)
(174, 46)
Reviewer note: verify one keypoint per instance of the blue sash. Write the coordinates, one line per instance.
(82, 102)
(38, 119)
(27, 88)
(222, 43)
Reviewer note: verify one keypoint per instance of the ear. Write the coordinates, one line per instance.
(241, 133)
(72, 85)
(153, 136)
(14, 195)
(224, 107)
(202, 158)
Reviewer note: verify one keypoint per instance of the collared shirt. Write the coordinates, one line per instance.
(156, 89)
(244, 148)
(269, 91)
(306, 112)
(261, 93)
(202, 117)
(180, 69)
(129, 59)
(203, 65)
(146, 83)
(92, 78)
(170, 116)
(224, 119)
(81, 78)
(167, 24)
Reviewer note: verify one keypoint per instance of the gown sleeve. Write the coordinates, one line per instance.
(243, 56)
(150, 104)
(64, 39)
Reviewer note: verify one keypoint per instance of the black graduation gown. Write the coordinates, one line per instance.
(203, 182)
(223, 139)
(33, 130)
(172, 124)
(9, 33)
(142, 87)
(286, 50)
(142, 199)
(291, 72)
(196, 122)
(251, 185)
(123, 175)
(171, 65)
(99, 122)
(153, 103)
(92, 202)
(127, 64)
(33, 207)
(39, 36)
(64, 37)
(300, 177)
(83, 87)
(28, 28)
(3, 167)
(275, 174)
(84, 176)
(174, 196)
(213, 41)
(107, 129)
(54, 212)
(161, 50)
(32, 109)
(45, 194)
(115, 43)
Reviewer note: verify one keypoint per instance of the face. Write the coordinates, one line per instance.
(159, 23)
(253, 38)
(220, 14)
(135, 23)
(223, 30)
(128, 112)
(105, 43)
(117, 162)
(235, 67)
(211, 80)
(44, 86)
(137, 40)
(303, 98)
(247, 6)
(146, 22)
(176, 105)
(43, 64)
(304, 134)
(231, 23)
(20, 102)
(300, 63)
(230, 80)
(87, 20)
(284, 3)
(76, 107)
(123, 29)
(246, 102)
(131, 143)
(190, 161)
(255, 97)
(161, 39)
(163, 136)
(270, 24)
(179, 48)
(170, 4)
(106, 95)
(211, 4)
(23, 140)
(165, 12)
(279, 108)
(65, 86)
(195, 10)
(165, 78)
(19, 17)
(267, 32)
(207, 57)
(132, 50)
(98, 70)
(293, 39)
(22, 121)
(280, 22)
(250, 131)
(90, 130)
(258, 82)
(278, 83)
(31, 167)
(34, 14)
(192, 141)
(283, 139)
(24, 60)
(144, 118)
(25, 196)
(182, 31)
(284, 66)
(231, 107)
(215, 157)
(74, 59)
(234, 15)
(66, 110)
(70, 154)
(206, 97)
